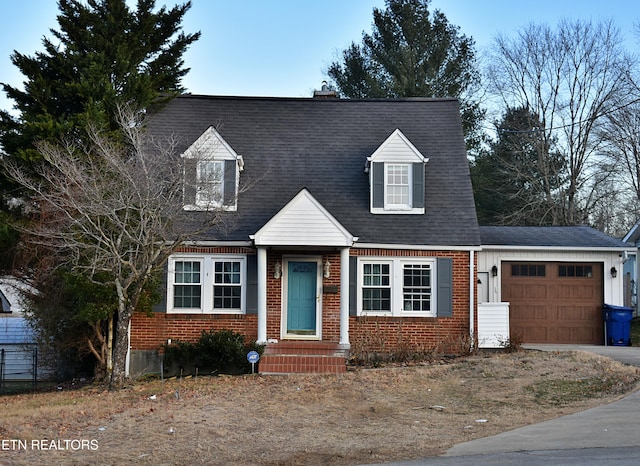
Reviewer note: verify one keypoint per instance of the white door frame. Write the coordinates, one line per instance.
(285, 293)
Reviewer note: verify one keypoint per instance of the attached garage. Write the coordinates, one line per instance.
(554, 302)
(553, 280)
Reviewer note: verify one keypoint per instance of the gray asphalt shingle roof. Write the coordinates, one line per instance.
(322, 145)
(559, 236)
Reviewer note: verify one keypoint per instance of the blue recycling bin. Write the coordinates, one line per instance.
(617, 325)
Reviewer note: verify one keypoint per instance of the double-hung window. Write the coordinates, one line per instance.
(396, 286)
(187, 292)
(227, 285)
(207, 284)
(210, 187)
(376, 287)
(397, 186)
(416, 287)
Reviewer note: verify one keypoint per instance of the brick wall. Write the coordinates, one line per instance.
(369, 333)
(444, 334)
(151, 332)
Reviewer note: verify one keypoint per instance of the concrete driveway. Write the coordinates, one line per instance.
(610, 426)
(625, 354)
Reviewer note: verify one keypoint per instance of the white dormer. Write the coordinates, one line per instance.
(211, 173)
(396, 177)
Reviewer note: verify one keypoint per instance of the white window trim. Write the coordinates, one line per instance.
(396, 279)
(207, 262)
(409, 205)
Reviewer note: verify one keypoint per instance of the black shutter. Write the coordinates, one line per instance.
(190, 181)
(378, 184)
(353, 277)
(418, 185)
(229, 182)
(252, 284)
(162, 305)
(444, 271)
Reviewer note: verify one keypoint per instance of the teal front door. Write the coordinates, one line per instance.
(301, 297)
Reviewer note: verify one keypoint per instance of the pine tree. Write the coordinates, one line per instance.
(519, 180)
(103, 54)
(104, 57)
(412, 52)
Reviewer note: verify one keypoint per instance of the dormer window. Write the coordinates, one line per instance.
(211, 173)
(397, 187)
(210, 186)
(396, 174)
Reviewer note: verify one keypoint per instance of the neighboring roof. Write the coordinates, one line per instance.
(5, 305)
(532, 236)
(13, 290)
(322, 145)
(633, 236)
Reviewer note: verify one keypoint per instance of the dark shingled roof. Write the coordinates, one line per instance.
(322, 145)
(569, 236)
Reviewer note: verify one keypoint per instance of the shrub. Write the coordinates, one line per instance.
(219, 352)
(513, 344)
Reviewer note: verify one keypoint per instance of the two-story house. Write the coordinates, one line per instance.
(347, 225)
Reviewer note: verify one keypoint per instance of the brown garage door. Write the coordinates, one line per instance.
(552, 302)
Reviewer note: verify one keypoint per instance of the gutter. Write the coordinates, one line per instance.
(472, 299)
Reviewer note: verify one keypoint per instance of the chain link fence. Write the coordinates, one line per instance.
(18, 368)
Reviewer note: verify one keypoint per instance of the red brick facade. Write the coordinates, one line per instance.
(368, 333)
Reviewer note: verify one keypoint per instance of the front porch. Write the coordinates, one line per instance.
(303, 289)
(297, 356)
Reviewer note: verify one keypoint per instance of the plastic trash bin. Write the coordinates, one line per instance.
(617, 325)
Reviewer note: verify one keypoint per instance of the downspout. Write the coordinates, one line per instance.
(262, 296)
(472, 299)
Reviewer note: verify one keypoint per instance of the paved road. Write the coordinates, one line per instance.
(623, 456)
(605, 435)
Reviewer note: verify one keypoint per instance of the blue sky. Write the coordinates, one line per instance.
(283, 47)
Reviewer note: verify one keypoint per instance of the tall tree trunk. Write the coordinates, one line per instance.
(120, 349)
(109, 355)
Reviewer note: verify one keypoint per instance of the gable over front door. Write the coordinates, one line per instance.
(302, 298)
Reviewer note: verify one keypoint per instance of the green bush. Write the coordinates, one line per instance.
(216, 352)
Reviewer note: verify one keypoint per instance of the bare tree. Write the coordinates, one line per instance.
(569, 78)
(107, 210)
(621, 132)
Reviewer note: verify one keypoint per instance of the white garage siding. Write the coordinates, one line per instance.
(613, 287)
(492, 292)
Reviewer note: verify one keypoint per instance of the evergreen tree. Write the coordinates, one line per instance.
(519, 180)
(103, 55)
(412, 53)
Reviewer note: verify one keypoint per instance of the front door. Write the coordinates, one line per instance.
(302, 298)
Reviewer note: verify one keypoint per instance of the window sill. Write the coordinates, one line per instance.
(389, 318)
(398, 211)
(209, 208)
(401, 315)
(201, 312)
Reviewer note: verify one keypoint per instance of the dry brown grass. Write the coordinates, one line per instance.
(366, 415)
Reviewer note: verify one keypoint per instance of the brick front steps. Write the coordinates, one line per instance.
(289, 357)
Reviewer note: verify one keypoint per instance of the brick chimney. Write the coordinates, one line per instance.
(325, 92)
